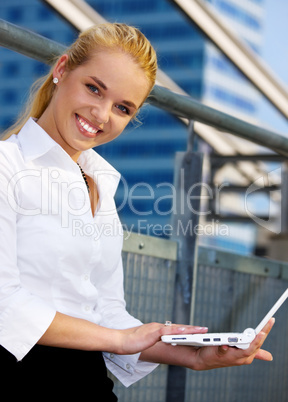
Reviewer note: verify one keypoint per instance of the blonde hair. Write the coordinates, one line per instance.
(112, 36)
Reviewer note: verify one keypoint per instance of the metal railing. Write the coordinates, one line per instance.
(232, 292)
(175, 279)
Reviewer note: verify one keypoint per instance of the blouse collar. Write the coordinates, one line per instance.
(35, 143)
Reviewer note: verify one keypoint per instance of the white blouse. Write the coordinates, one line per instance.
(54, 255)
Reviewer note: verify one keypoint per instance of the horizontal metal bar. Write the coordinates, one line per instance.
(240, 263)
(29, 43)
(185, 106)
(220, 159)
(238, 218)
(167, 249)
(240, 189)
(149, 245)
(45, 50)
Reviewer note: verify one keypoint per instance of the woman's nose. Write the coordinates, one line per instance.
(101, 113)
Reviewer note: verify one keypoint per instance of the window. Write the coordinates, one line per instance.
(231, 99)
(15, 14)
(9, 96)
(238, 14)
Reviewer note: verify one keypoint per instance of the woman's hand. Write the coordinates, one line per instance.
(209, 357)
(137, 339)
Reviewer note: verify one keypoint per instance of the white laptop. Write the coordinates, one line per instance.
(241, 340)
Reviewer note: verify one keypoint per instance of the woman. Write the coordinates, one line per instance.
(61, 293)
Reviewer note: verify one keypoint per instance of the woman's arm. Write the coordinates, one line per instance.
(76, 333)
(66, 331)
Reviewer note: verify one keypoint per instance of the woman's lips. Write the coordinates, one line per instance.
(86, 128)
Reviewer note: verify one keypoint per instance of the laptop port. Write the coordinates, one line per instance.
(233, 339)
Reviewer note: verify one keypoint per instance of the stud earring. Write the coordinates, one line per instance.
(55, 80)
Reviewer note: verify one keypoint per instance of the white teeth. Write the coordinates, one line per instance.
(86, 126)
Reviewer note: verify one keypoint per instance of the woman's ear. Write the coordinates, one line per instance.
(60, 67)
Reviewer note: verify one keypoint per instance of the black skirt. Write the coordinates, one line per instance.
(57, 373)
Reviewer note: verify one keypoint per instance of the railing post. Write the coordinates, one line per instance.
(188, 183)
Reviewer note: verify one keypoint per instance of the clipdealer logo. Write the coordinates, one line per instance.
(254, 189)
(58, 196)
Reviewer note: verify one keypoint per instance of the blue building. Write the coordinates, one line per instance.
(144, 154)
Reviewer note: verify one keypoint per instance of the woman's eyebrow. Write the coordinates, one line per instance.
(99, 82)
(129, 104)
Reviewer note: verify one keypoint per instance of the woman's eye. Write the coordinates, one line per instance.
(123, 109)
(92, 88)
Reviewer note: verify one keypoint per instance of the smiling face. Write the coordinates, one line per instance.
(93, 104)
